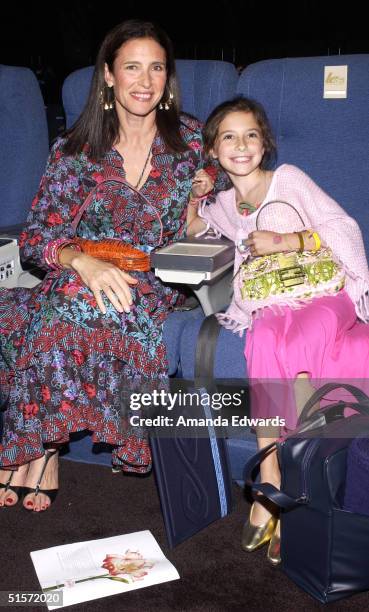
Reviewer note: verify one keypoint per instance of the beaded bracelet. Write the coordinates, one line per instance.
(52, 251)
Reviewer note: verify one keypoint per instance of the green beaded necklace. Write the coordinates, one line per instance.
(246, 206)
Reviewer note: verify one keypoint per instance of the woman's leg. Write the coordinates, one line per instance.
(49, 481)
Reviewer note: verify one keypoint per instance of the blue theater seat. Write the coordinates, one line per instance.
(328, 139)
(203, 85)
(23, 145)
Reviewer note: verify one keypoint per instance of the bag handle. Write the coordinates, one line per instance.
(277, 202)
(362, 405)
(270, 491)
(116, 179)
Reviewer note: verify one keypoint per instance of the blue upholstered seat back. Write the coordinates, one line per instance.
(24, 142)
(203, 85)
(328, 138)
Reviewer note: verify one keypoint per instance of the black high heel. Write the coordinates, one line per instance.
(51, 493)
(18, 490)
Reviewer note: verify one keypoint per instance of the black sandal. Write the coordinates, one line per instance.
(51, 493)
(18, 490)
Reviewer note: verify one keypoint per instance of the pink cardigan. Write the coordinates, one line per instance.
(320, 212)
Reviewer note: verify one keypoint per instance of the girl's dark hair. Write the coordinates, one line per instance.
(244, 105)
(100, 129)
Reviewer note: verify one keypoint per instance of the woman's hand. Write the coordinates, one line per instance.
(102, 276)
(202, 183)
(262, 242)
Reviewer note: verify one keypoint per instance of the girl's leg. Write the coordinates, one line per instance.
(303, 390)
(269, 468)
(262, 525)
(269, 472)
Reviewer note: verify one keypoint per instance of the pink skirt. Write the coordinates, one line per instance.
(323, 338)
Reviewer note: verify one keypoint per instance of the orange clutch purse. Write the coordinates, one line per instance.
(124, 256)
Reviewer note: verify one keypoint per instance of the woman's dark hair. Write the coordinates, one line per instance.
(243, 105)
(100, 129)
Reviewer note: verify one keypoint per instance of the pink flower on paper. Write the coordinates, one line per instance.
(131, 564)
(122, 568)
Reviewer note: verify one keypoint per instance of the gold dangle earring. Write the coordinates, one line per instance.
(107, 98)
(166, 105)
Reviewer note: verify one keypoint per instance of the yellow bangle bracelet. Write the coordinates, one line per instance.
(317, 241)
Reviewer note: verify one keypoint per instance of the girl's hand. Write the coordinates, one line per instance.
(202, 183)
(262, 242)
(102, 276)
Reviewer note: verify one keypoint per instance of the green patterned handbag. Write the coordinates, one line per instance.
(291, 275)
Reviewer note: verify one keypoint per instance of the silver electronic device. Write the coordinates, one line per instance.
(206, 264)
(11, 273)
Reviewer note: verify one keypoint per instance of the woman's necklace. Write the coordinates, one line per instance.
(144, 168)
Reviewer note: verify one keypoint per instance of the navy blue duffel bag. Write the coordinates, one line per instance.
(357, 479)
(324, 547)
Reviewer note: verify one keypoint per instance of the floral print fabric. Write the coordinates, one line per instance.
(63, 365)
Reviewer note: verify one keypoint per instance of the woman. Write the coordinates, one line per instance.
(70, 345)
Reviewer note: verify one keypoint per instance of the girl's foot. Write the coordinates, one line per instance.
(255, 533)
(9, 483)
(274, 548)
(260, 514)
(42, 482)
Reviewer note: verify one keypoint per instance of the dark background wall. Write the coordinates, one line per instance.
(56, 37)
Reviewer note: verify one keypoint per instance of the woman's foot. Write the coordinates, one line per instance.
(9, 483)
(42, 479)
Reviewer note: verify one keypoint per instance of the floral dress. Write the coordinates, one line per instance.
(63, 365)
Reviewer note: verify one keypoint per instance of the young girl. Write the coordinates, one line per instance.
(320, 338)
